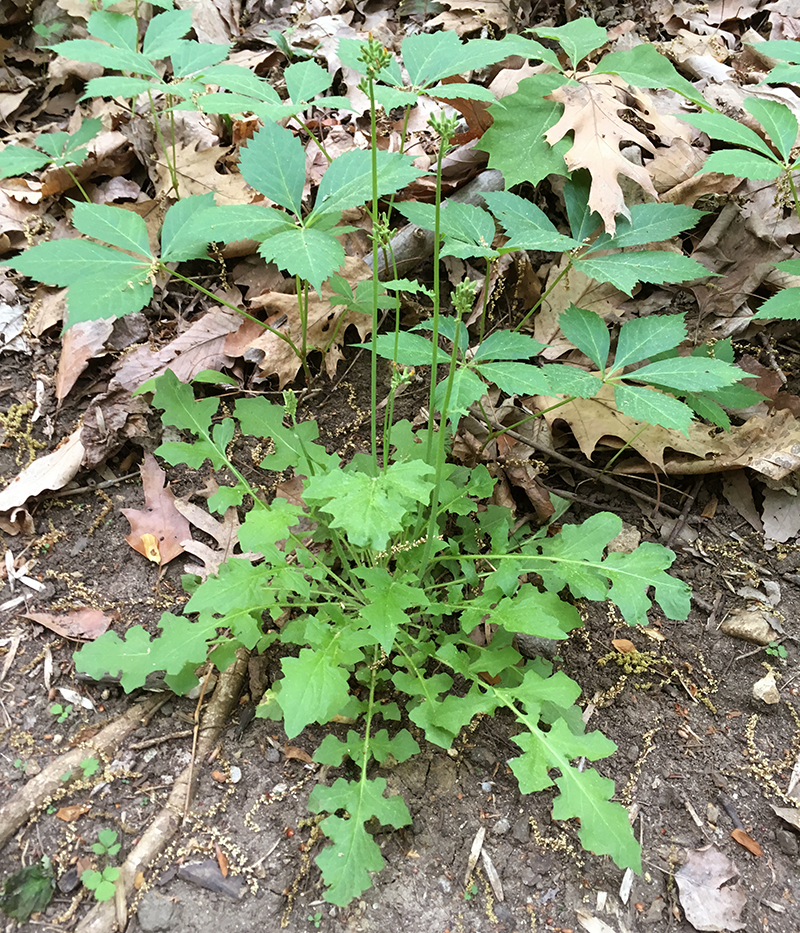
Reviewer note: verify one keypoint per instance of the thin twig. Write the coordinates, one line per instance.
(680, 521)
(595, 474)
(63, 493)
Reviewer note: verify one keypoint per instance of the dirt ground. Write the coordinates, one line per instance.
(697, 754)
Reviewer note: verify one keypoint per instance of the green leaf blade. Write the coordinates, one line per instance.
(312, 254)
(653, 407)
(644, 337)
(274, 163)
(589, 332)
(115, 225)
(626, 270)
(515, 140)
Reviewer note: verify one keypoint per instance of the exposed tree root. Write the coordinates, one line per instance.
(110, 915)
(16, 811)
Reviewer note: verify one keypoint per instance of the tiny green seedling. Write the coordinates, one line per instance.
(315, 919)
(471, 892)
(106, 844)
(21, 765)
(60, 712)
(90, 766)
(102, 883)
(776, 649)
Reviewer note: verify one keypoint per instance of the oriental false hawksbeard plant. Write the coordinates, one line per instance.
(374, 579)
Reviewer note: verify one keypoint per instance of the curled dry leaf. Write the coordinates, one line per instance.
(85, 624)
(596, 112)
(744, 839)
(708, 899)
(158, 520)
(49, 472)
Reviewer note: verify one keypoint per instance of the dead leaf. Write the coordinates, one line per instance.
(748, 842)
(707, 898)
(225, 533)
(292, 751)
(159, 518)
(602, 112)
(53, 471)
(222, 860)
(790, 814)
(326, 327)
(200, 347)
(73, 812)
(769, 445)
(86, 624)
(623, 645)
(81, 342)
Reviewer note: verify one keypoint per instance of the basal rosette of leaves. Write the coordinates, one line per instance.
(364, 611)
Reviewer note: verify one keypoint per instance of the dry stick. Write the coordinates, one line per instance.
(678, 524)
(595, 474)
(102, 918)
(16, 811)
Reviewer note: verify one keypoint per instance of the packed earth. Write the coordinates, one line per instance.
(125, 805)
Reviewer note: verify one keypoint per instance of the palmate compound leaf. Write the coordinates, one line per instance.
(370, 509)
(346, 863)
(107, 283)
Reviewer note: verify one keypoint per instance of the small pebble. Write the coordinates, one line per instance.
(787, 842)
(272, 754)
(501, 827)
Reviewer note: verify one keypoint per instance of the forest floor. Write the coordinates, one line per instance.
(706, 749)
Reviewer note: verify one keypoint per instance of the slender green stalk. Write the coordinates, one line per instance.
(436, 309)
(558, 278)
(77, 184)
(173, 174)
(302, 305)
(320, 144)
(284, 337)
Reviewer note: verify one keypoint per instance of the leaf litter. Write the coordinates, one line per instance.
(754, 236)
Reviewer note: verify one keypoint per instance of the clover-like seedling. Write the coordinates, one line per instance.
(102, 883)
(106, 844)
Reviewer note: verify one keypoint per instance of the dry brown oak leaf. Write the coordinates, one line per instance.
(158, 529)
(598, 112)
